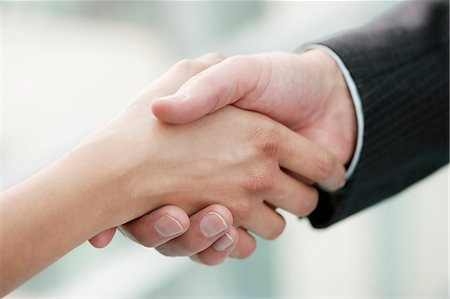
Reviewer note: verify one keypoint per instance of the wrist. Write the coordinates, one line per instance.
(47, 215)
(76, 186)
(126, 172)
(101, 175)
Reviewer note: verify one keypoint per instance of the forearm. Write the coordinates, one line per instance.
(36, 230)
(54, 211)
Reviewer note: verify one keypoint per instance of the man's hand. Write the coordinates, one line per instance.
(306, 92)
(208, 236)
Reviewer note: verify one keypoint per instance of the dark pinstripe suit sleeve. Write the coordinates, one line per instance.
(400, 64)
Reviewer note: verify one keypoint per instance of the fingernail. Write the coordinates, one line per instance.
(167, 226)
(213, 224)
(223, 243)
(175, 98)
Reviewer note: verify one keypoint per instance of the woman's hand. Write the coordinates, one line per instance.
(227, 133)
(207, 236)
(167, 223)
(269, 103)
(136, 164)
(254, 145)
(232, 157)
(83, 193)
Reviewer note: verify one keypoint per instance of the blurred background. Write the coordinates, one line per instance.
(68, 67)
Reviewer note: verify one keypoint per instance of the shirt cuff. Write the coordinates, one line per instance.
(356, 102)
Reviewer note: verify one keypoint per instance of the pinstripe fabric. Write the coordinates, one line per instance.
(400, 64)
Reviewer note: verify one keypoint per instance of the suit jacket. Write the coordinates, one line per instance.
(400, 65)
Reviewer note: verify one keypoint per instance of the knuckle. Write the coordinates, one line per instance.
(242, 209)
(269, 149)
(259, 178)
(216, 55)
(183, 64)
(266, 139)
(188, 66)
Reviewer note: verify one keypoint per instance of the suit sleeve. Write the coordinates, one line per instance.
(400, 65)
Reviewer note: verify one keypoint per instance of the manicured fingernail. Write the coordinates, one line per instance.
(213, 224)
(175, 98)
(223, 243)
(167, 226)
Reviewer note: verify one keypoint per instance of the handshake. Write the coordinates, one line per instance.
(207, 153)
(229, 141)
(200, 160)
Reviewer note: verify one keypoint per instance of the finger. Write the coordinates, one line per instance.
(246, 245)
(216, 87)
(157, 227)
(293, 195)
(102, 239)
(219, 251)
(260, 219)
(207, 226)
(178, 74)
(310, 160)
(211, 58)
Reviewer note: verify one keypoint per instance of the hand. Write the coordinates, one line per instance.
(203, 236)
(306, 92)
(158, 227)
(136, 164)
(231, 70)
(233, 157)
(254, 145)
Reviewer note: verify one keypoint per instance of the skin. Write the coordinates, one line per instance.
(305, 92)
(142, 229)
(136, 164)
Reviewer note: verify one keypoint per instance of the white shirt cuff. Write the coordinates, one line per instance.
(356, 102)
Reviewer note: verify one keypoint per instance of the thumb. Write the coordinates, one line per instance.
(179, 108)
(218, 86)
